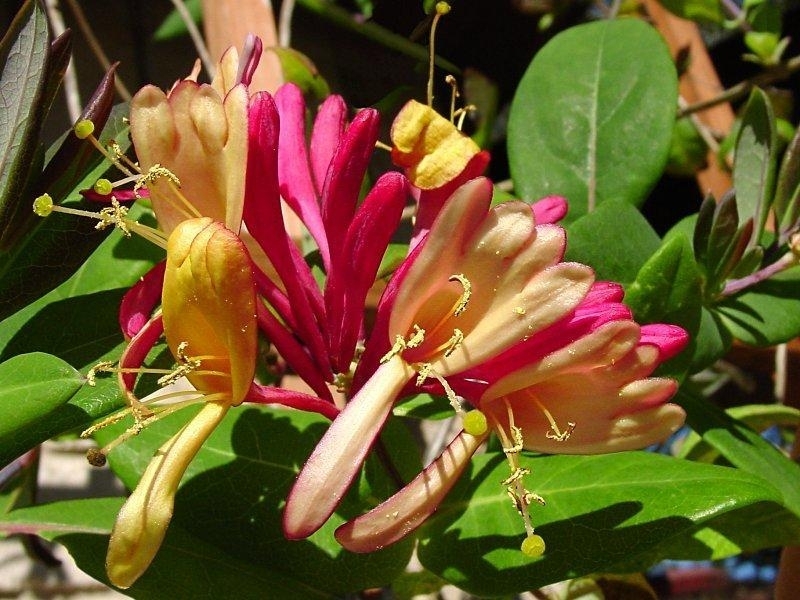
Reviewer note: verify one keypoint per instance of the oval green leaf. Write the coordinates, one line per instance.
(592, 117)
(34, 385)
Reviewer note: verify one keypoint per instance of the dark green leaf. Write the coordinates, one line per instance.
(186, 567)
(787, 189)
(742, 447)
(424, 406)
(721, 239)
(668, 289)
(589, 123)
(616, 240)
(60, 243)
(702, 229)
(33, 386)
(23, 56)
(233, 492)
(608, 513)
(765, 314)
(754, 161)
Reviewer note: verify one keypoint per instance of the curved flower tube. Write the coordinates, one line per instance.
(208, 309)
(483, 281)
(589, 371)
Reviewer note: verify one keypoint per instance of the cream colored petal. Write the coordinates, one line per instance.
(142, 522)
(236, 107)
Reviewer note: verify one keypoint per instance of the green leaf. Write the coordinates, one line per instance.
(60, 243)
(173, 26)
(608, 513)
(23, 56)
(589, 123)
(754, 161)
(424, 406)
(186, 567)
(233, 492)
(787, 189)
(742, 447)
(668, 289)
(756, 416)
(709, 11)
(77, 322)
(33, 386)
(298, 69)
(616, 240)
(765, 314)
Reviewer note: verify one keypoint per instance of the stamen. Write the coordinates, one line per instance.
(105, 366)
(153, 173)
(461, 305)
(115, 215)
(442, 8)
(554, 433)
(426, 370)
(400, 343)
(462, 113)
(451, 81)
(84, 130)
(454, 342)
(516, 475)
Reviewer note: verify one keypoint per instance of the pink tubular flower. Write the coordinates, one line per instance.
(482, 282)
(588, 372)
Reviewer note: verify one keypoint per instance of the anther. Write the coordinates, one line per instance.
(105, 366)
(103, 187)
(96, 457)
(454, 342)
(533, 546)
(426, 370)
(515, 476)
(516, 434)
(153, 173)
(461, 305)
(560, 436)
(416, 338)
(83, 129)
(474, 423)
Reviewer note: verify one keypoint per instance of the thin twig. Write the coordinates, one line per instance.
(285, 23)
(96, 48)
(72, 94)
(741, 89)
(197, 39)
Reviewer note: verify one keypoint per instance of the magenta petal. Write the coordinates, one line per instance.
(118, 195)
(669, 339)
(139, 302)
(345, 176)
(353, 273)
(136, 351)
(328, 129)
(550, 209)
(262, 394)
(401, 514)
(337, 459)
(264, 220)
(296, 184)
(292, 352)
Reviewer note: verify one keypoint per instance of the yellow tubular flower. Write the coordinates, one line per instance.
(209, 313)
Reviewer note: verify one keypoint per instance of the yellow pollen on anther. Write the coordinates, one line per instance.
(520, 310)
(454, 343)
(153, 173)
(426, 370)
(416, 338)
(105, 366)
(555, 433)
(400, 343)
(463, 300)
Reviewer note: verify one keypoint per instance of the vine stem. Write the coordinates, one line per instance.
(735, 286)
(741, 89)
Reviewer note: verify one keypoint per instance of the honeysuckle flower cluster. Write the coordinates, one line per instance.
(483, 310)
